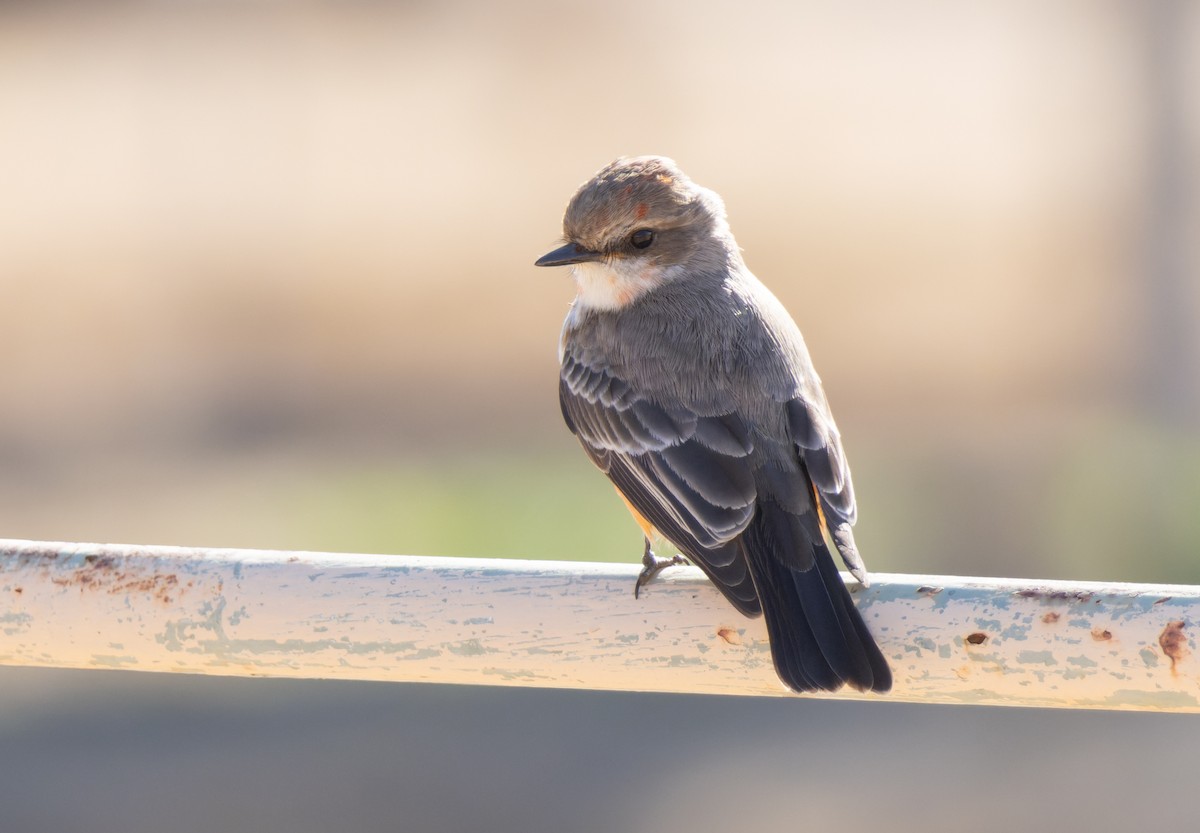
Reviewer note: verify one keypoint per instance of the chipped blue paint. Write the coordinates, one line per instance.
(1127, 698)
(12, 624)
(233, 649)
(1036, 657)
(420, 654)
(469, 648)
(1016, 632)
(171, 637)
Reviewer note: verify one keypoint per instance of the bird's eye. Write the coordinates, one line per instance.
(641, 238)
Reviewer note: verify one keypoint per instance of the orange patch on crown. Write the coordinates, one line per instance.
(641, 210)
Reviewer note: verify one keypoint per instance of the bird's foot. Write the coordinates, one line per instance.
(652, 565)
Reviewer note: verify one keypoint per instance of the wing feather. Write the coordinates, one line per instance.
(689, 475)
(820, 447)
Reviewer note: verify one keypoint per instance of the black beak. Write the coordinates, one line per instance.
(566, 255)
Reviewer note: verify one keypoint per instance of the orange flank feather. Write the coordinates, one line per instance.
(647, 527)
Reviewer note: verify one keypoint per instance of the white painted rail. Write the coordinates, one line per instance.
(573, 625)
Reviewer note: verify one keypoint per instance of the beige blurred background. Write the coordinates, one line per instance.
(267, 281)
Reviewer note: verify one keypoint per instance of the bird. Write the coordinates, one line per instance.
(690, 386)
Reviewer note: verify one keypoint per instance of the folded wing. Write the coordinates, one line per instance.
(689, 475)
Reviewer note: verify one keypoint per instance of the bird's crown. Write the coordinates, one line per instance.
(635, 197)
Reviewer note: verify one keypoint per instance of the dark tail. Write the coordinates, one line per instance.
(818, 639)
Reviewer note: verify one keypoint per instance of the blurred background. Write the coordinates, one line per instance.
(267, 282)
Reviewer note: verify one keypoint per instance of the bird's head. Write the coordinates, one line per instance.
(635, 225)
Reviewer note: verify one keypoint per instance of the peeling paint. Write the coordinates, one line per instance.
(1037, 658)
(12, 624)
(925, 643)
(468, 648)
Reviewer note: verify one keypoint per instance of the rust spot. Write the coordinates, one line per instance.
(977, 638)
(1050, 618)
(928, 590)
(1162, 600)
(107, 574)
(1101, 634)
(1173, 642)
(729, 635)
(640, 210)
(18, 590)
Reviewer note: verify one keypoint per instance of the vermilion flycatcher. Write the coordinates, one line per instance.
(689, 385)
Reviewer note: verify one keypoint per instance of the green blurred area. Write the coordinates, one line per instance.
(1095, 509)
(1114, 501)
(485, 505)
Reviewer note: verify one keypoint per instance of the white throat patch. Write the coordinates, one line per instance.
(615, 284)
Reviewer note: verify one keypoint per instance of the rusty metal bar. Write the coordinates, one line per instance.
(574, 625)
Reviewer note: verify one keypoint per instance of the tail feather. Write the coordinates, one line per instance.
(818, 639)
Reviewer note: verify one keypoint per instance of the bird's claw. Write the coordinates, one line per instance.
(652, 565)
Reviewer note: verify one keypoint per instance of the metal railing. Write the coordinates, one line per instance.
(575, 625)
